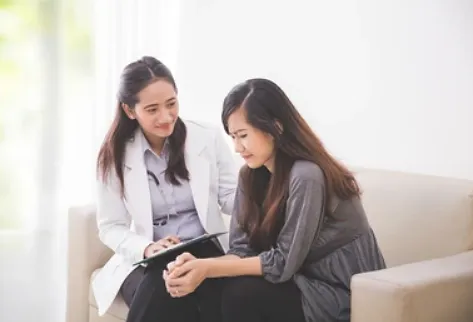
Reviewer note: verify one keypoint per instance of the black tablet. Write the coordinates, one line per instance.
(179, 248)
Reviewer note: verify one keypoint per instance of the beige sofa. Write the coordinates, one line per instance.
(424, 225)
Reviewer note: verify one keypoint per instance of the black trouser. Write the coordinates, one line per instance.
(145, 293)
(253, 299)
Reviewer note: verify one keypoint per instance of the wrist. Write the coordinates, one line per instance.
(207, 264)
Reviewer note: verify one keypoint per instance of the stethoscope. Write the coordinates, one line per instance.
(161, 222)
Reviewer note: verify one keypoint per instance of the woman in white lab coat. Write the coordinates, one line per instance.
(161, 180)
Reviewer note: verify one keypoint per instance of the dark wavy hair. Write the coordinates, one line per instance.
(134, 78)
(268, 109)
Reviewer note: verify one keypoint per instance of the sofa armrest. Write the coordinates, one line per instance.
(429, 291)
(85, 253)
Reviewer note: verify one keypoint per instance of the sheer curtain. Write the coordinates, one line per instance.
(123, 31)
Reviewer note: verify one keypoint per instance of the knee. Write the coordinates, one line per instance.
(241, 290)
(154, 274)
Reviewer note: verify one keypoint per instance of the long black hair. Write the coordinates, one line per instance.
(134, 78)
(268, 109)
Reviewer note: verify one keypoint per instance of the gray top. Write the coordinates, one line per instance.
(168, 199)
(319, 253)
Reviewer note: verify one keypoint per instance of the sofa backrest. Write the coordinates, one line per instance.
(417, 217)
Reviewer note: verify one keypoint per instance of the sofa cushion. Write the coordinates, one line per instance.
(118, 309)
(417, 217)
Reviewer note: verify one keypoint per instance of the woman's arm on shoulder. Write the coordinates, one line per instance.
(113, 222)
(227, 173)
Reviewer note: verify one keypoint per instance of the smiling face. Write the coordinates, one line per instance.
(157, 110)
(254, 146)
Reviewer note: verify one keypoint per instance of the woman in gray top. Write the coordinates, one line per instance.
(298, 231)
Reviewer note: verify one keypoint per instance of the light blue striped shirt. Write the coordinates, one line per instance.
(177, 201)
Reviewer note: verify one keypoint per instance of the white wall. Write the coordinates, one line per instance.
(384, 85)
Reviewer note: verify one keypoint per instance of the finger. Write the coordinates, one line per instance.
(178, 292)
(165, 275)
(184, 257)
(172, 289)
(157, 248)
(166, 283)
(170, 266)
(173, 239)
(182, 270)
(179, 261)
(177, 283)
(183, 293)
(166, 243)
(158, 244)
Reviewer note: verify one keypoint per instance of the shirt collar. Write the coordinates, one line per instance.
(147, 147)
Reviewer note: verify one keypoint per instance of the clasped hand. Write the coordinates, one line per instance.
(184, 275)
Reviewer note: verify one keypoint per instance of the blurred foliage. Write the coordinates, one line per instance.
(22, 28)
(18, 24)
(78, 34)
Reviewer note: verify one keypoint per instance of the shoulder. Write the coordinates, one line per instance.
(203, 132)
(306, 171)
(133, 147)
(203, 127)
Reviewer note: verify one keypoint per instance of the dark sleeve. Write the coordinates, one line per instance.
(239, 245)
(304, 212)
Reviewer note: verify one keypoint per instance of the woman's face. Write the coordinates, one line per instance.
(157, 109)
(254, 146)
